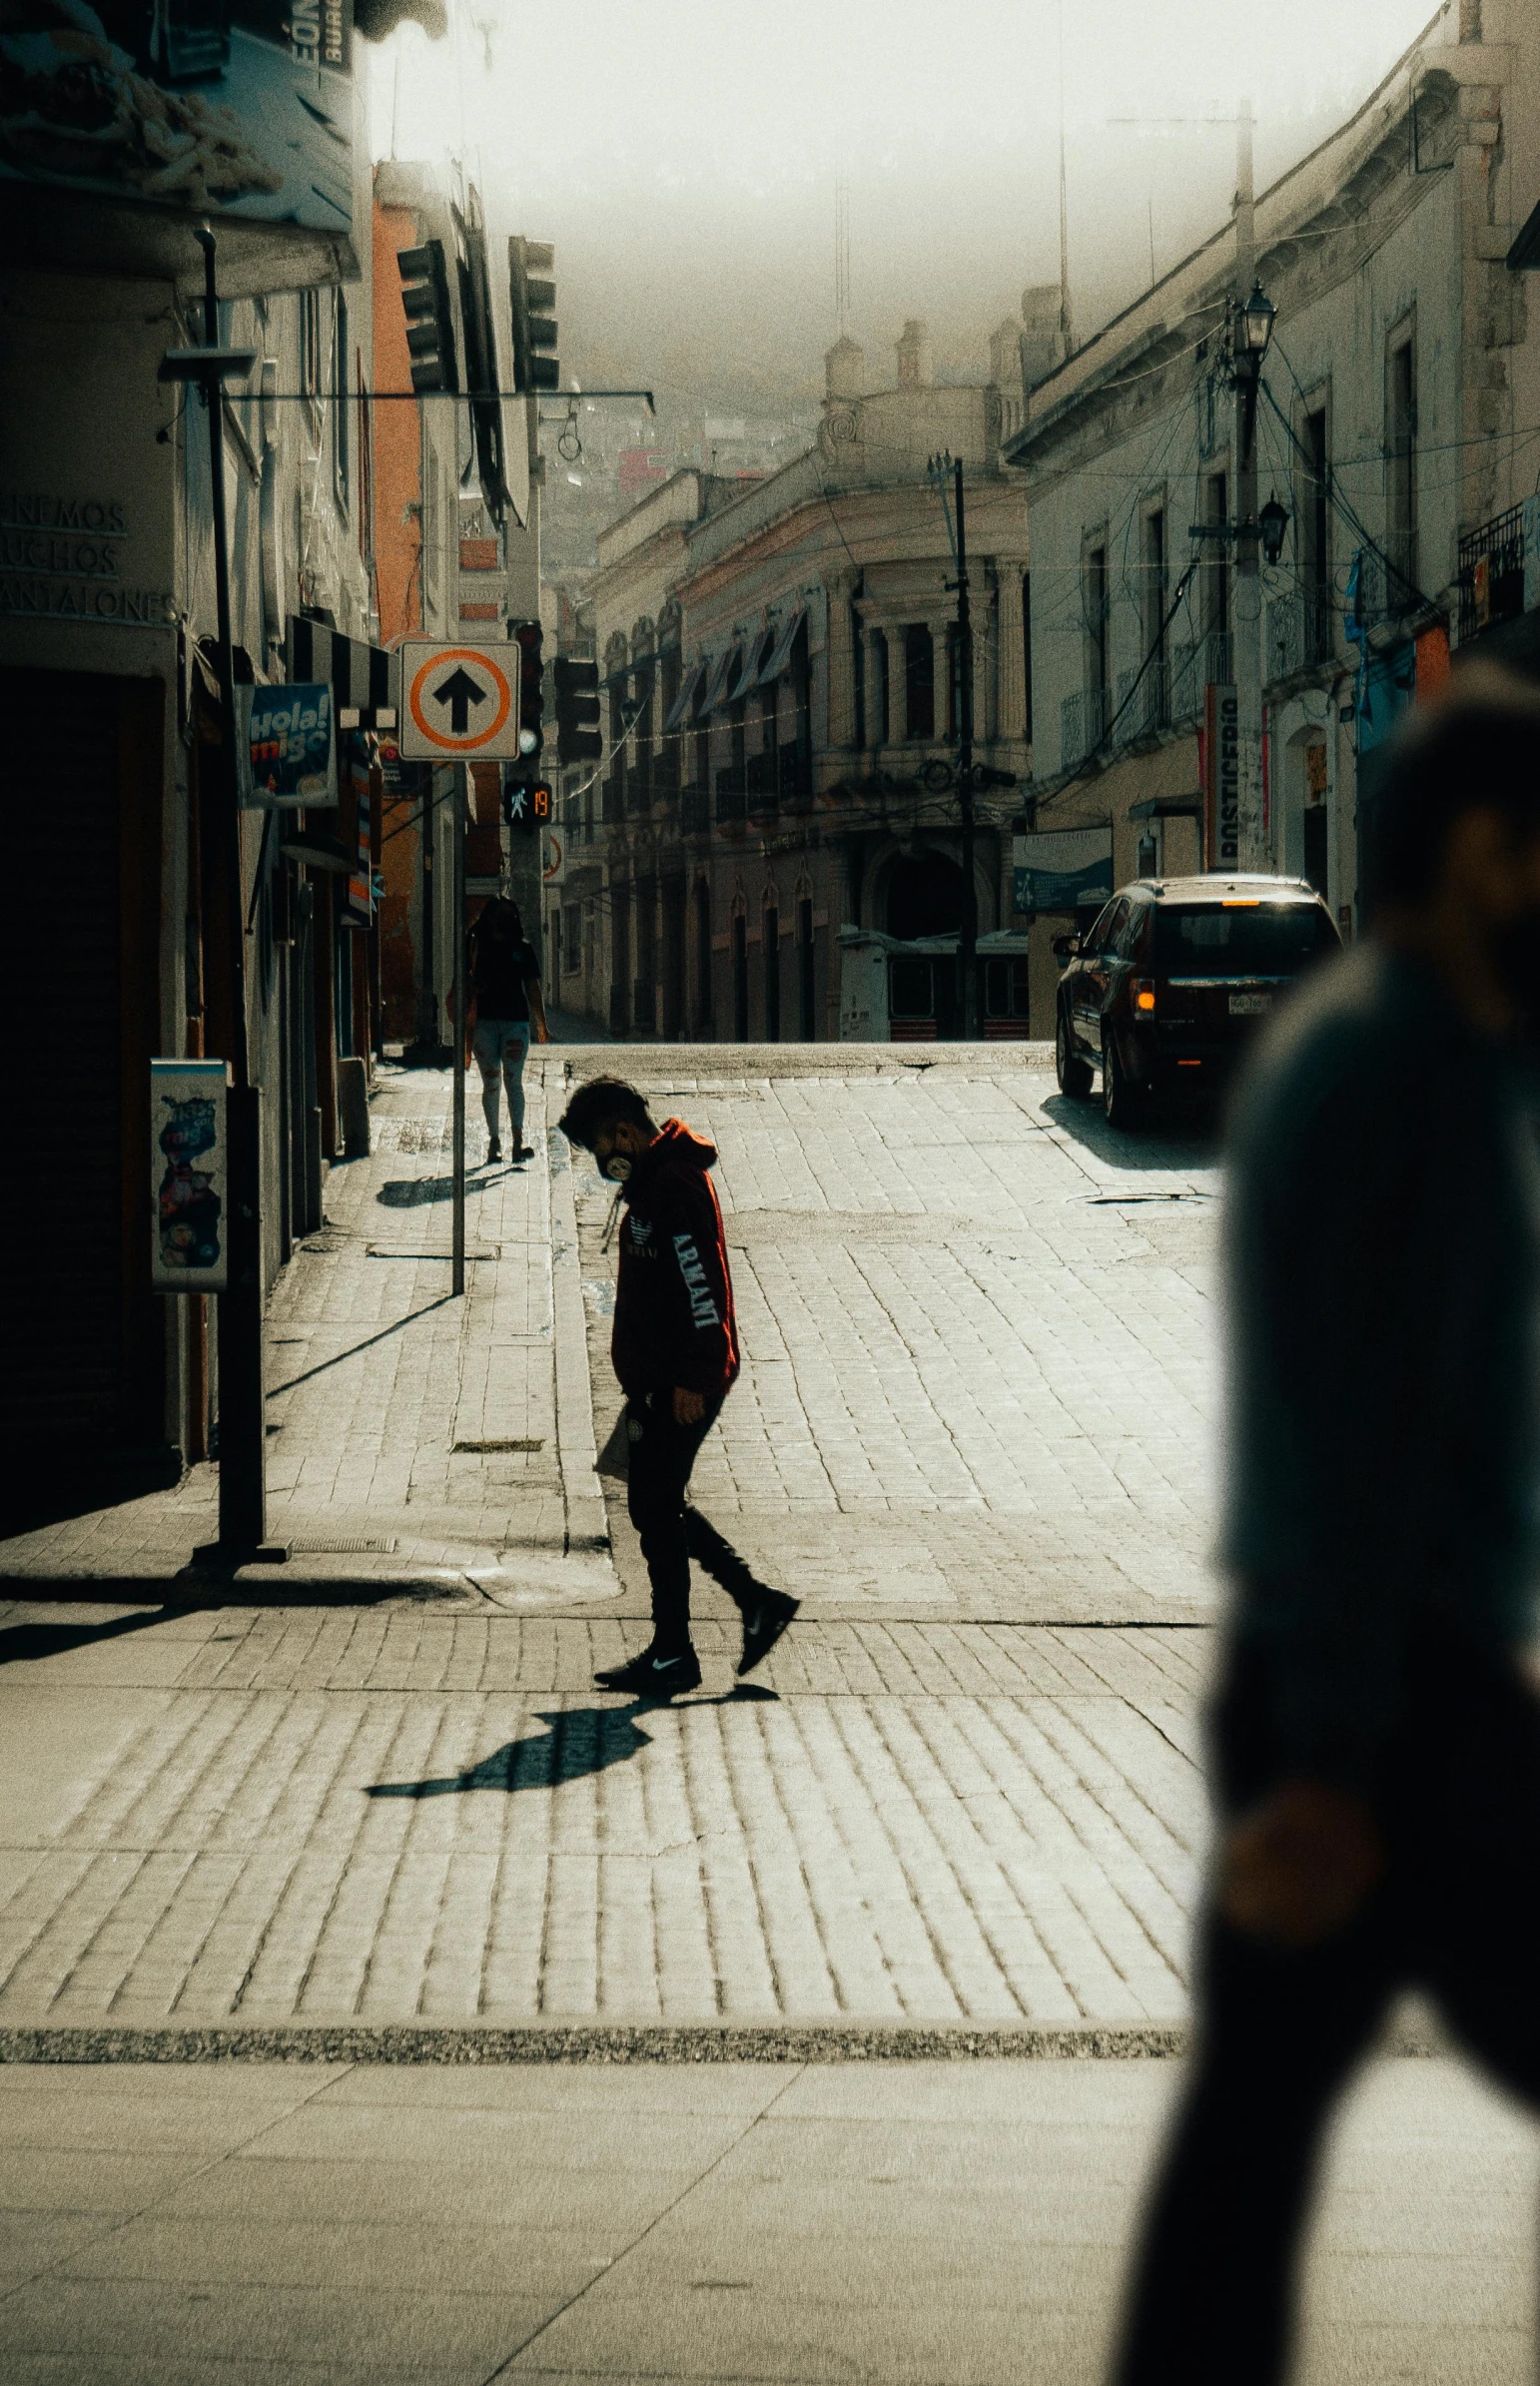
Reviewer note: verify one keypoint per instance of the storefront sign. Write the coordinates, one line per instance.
(1222, 779)
(188, 1193)
(287, 746)
(188, 107)
(62, 560)
(1060, 869)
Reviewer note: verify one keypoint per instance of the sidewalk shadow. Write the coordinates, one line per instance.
(19, 1642)
(581, 1742)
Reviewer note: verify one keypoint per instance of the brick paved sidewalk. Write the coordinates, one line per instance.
(979, 1358)
(413, 1440)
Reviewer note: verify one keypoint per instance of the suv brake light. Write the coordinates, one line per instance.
(1143, 996)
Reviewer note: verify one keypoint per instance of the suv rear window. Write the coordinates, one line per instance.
(1265, 940)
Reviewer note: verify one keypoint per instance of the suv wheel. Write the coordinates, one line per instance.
(1072, 1073)
(1118, 1103)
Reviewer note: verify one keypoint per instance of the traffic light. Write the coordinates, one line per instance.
(429, 323)
(526, 805)
(577, 710)
(531, 692)
(533, 302)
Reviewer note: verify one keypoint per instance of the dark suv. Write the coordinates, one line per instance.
(1172, 977)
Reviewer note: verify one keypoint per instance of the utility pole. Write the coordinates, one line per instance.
(1246, 609)
(458, 1221)
(1065, 324)
(968, 936)
(242, 1416)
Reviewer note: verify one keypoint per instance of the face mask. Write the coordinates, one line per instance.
(617, 1168)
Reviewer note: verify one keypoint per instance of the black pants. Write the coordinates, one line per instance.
(1458, 1914)
(660, 1457)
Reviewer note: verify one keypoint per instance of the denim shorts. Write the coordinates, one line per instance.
(500, 1043)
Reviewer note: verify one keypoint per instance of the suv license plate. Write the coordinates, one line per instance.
(1247, 1006)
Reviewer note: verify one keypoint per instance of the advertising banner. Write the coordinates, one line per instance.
(212, 107)
(288, 751)
(1060, 869)
(1220, 749)
(189, 1201)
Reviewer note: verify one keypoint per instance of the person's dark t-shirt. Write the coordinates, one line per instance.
(500, 971)
(1383, 1235)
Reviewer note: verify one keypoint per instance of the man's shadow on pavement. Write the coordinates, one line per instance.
(581, 1742)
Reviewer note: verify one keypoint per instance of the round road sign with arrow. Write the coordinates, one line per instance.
(459, 703)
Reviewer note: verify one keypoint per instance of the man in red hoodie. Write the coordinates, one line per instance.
(675, 1352)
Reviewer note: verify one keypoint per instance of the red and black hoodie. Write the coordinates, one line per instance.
(674, 1300)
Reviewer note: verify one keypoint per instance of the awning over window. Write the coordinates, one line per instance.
(726, 667)
(780, 653)
(689, 688)
(360, 676)
(747, 674)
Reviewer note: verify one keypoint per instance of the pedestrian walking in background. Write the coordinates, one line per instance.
(1377, 1733)
(675, 1352)
(504, 980)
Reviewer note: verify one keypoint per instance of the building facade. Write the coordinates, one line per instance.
(1401, 376)
(780, 671)
(123, 907)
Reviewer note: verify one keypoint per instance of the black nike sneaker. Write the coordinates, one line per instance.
(653, 1675)
(763, 1624)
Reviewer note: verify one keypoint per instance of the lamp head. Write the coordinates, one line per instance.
(1272, 521)
(1255, 325)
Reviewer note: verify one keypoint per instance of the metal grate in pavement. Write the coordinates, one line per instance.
(344, 1544)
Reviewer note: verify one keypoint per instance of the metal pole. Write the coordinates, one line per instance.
(242, 1408)
(457, 1246)
(967, 938)
(1246, 611)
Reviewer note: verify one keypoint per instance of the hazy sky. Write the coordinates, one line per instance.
(682, 157)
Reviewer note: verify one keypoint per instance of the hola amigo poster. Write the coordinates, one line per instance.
(287, 747)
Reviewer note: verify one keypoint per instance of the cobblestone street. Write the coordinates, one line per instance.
(970, 1434)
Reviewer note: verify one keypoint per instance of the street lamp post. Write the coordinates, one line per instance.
(1251, 322)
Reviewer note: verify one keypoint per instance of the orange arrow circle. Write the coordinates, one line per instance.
(482, 662)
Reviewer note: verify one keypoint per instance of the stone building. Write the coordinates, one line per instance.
(1403, 368)
(779, 664)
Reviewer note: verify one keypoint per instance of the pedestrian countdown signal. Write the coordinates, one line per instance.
(526, 806)
(459, 703)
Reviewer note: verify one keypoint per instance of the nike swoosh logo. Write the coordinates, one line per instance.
(664, 1665)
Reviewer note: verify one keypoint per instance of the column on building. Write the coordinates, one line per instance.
(1011, 679)
(619, 904)
(878, 677)
(840, 590)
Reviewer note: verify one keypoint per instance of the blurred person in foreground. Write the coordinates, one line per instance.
(1375, 1734)
(675, 1352)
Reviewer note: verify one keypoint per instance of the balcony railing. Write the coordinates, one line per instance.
(1196, 664)
(1082, 725)
(761, 785)
(731, 791)
(694, 810)
(1143, 704)
(795, 771)
(1491, 573)
(1301, 631)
